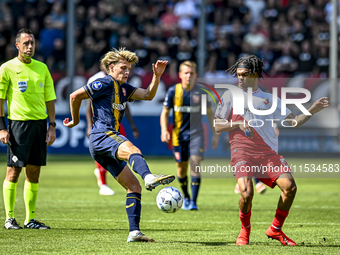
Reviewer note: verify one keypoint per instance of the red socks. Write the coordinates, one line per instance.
(279, 219)
(102, 174)
(245, 219)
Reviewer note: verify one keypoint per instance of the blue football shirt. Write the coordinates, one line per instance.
(108, 103)
(187, 117)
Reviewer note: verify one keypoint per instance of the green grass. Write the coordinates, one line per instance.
(83, 222)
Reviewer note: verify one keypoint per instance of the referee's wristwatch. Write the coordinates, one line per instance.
(53, 124)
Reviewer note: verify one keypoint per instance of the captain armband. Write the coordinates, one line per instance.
(2, 123)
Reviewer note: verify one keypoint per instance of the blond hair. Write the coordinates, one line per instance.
(189, 64)
(114, 56)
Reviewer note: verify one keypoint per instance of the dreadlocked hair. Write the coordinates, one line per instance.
(254, 63)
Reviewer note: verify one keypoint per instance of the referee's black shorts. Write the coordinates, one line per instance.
(28, 143)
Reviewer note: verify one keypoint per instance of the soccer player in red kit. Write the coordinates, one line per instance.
(258, 146)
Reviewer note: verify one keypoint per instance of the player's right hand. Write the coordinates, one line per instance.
(4, 136)
(165, 137)
(68, 123)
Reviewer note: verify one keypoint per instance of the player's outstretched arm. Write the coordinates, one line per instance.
(165, 134)
(298, 121)
(150, 92)
(75, 102)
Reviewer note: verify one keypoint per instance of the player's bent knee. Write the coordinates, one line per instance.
(291, 190)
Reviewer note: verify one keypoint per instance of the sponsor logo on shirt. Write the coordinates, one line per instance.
(22, 86)
(119, 107)
(97, 85)
(124, 91)
(187, 108)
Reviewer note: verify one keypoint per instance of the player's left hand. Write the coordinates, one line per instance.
(159, 67)
(319, 105)
(50, 136)
(135, 131)
(68, 123)
(214, 142)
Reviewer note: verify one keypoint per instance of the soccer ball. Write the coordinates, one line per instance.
(169, 200)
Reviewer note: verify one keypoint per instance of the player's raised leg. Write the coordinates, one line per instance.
(9, 193)
(127, 151)
(287, 184)
(245, 204)
(133, 205)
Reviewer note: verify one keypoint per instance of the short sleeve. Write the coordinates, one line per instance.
(277, 112)
(169, 99)
(49, 87)
(96, 88)
(130, 90)
(223, 110)
(3, 83)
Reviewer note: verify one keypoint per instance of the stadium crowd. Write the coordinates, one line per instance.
(291, 36)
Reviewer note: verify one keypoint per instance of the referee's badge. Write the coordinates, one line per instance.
(22, 86)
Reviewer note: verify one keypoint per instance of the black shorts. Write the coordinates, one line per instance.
(28, 143)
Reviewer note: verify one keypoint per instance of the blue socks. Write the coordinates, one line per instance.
(133, 210)
(138, 164)
(183, 182)
(195, 186)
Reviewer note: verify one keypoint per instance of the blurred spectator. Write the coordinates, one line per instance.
(285, 65)
(256, 8)
(168, 20)
(322, 62)
(306, 59)
(255, 39)
(271, 12)
(187, 12)
(47, 35)
(279, 32)
(58, 16)
(57, 60)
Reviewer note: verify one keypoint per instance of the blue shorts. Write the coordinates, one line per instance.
(103, 148)
(186, 149)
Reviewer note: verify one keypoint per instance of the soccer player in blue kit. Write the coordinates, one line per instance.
(107, 146)
(187, 136)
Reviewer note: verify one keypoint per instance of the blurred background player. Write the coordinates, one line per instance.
(187, 134)
(107, 146)
(255, 146)
(100, 172)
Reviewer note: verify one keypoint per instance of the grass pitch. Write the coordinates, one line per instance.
(83, 222)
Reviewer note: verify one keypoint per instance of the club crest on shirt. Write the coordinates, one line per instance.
(22, 86)
(96, 85)
(195, 98)
(265, 100)
(124, 91)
